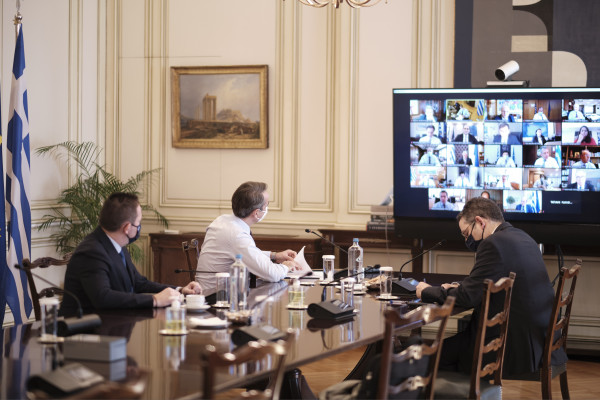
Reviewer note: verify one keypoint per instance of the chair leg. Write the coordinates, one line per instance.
(564, 386)
(546, 380)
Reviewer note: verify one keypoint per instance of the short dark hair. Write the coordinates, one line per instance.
(502, 125)
(482, 207)
(247, 198)
(118, 209)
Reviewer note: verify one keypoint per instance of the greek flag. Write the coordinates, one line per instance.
(18, 210)
(481, 108)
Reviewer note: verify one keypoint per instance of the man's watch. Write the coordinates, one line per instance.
(273, 256)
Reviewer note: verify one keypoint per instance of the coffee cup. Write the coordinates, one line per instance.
(195, 300)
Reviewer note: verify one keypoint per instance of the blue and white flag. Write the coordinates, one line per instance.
(18, 209)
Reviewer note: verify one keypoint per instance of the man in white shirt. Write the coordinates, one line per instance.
(540, 116)
(505, 161)
(545, 161)
(229, 235)
(584, 162)
(443, 204)
(429, 158)
(462, 180)
(429, 137)
(575, 114)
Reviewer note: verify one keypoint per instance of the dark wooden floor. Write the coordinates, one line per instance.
(584, 377)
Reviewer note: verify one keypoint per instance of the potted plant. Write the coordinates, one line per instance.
(85, 197)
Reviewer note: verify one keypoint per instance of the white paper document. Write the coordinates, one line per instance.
(304, 267)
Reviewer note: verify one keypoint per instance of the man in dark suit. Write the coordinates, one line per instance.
(465, 159)
(505, 115)
(505, 136)
(101, 273)
(500, 249)
(465, 136)
(581, 183)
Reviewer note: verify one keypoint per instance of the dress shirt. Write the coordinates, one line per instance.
(506, 162)
(443, 206)
(430, 140)
(429, 159)
(225, 237)
(462, 182)
(548, 163)
(581, 164)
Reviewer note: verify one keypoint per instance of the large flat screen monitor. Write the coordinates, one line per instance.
(535, 152)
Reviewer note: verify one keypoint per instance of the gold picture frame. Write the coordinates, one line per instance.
(221, 107)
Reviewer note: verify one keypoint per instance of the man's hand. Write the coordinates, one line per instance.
(292, 265)
(420, 287)
(192, 288)
(286, 255)
(449, 285)
(166, 297)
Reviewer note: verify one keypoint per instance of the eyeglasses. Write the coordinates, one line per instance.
(464, 234)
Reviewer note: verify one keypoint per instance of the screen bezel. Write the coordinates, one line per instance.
(558, 229)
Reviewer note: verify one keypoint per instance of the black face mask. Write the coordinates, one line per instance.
(137, 235)
(473, 244)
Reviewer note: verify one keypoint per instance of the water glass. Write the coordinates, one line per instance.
(347, 286)
(49, 310)
(175, 319)
(222, 289)
(328, 267)
(385, 282)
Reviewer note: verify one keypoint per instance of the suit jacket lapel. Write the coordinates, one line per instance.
(116, 262)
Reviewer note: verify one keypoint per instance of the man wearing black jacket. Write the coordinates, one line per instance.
(101, 273)
(500, 249)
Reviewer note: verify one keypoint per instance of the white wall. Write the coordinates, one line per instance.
(99, 70)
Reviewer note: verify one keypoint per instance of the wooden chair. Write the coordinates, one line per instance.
(191, 251)
(559, 328)
(43, 262)
(395, 321)
(250, 352)
(455, 385)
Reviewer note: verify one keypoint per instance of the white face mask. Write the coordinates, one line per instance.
(264, 213)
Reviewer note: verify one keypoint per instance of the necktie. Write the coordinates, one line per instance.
(126, 269)
(544, 164)
(429, 159)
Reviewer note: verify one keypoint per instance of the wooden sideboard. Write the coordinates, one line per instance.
(168, 253)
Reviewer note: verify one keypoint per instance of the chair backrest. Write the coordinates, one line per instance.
(561, 326)
(497, 345)
(249, 353)
(191, 251)
(42, 262)
(395, 321)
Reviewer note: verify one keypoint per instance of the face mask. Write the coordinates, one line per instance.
(473, 244)
(264, 213)
(137, 235)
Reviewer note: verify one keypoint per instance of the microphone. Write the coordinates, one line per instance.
(408, 286)
(367, 270)
(177, 271)
(324, 238)
(438, 244)
(67, 326)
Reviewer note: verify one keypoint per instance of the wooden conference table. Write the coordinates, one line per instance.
(175, 363)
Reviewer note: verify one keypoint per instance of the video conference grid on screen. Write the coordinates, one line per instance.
(513, 151)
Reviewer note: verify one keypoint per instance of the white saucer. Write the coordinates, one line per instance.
(167, 332)
(298, 307)
(387, 298)
(221, 306)
(207, 323)
(197, 309)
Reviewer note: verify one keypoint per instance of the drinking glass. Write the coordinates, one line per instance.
(328, 267)
(385, 282)
(222, 289)
(347, 286)
(49, 309)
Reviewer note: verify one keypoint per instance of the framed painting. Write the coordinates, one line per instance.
(219, 107)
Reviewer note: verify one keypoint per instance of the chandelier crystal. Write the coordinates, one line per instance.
(336, 3)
